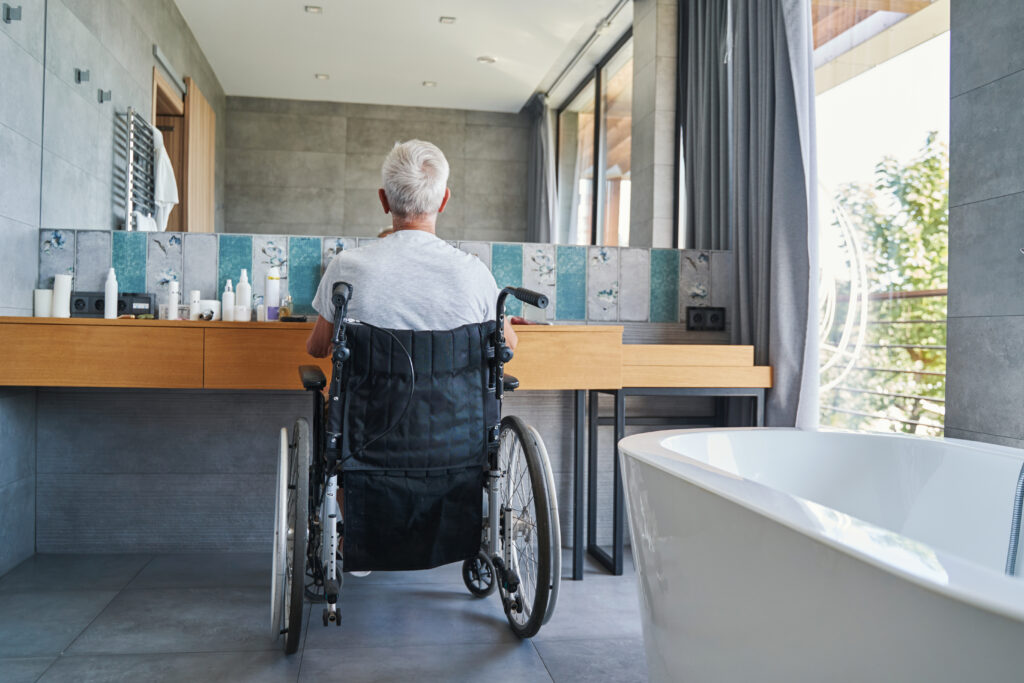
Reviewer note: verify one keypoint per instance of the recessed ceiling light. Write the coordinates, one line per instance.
(314, 9)
(446, 20)
(429, 84)
(321, 77)
(486, 59)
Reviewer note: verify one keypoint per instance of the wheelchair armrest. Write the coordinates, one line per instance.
(312, 377)
(510, 383)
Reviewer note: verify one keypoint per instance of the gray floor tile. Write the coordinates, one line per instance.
(600, 606)
(206, 570)
(397, 615)
(73, 572)
(223, 667)
(617, 660)
(514, 661)
(39, 623)
(23, 670)
(181, 620)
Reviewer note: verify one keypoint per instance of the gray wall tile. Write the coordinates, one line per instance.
(986, 44)
(199, 253)
(19, 265)
(17, 434)
(92, 259)
(291, 132)
(17, 510)
(28, 33)
(21, 106)
(19, 191)
(251, 204)
(275, 168)
(986, 269)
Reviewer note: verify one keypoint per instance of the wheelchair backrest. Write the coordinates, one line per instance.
(439, 421)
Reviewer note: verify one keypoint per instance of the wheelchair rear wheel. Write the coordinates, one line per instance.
(290, 536)
(526, 528)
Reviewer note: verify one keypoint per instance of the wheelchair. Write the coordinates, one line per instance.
(411, 429)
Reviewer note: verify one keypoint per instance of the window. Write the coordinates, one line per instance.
(594, 207)
(883, 127)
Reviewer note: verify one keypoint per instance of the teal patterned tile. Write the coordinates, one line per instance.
(507, 267)
(56, 255)
(664, 286)
(303, 271)
(571, 270)
(234, 253)
(128, 258)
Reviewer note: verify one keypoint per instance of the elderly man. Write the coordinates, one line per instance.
(410, 279)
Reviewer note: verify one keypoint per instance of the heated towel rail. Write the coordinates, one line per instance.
(134, 174)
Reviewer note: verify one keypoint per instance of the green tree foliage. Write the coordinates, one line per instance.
(902, 224)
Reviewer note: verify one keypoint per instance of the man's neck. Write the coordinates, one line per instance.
(421, 223)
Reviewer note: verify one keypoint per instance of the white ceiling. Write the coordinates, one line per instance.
(381, 51)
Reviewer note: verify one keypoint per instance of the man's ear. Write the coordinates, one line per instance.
(444, 202)
(384, 200)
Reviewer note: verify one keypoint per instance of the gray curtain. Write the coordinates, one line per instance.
(706, 125)
(774, 208)
(541, 193)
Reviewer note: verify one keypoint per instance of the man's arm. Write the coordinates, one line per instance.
(319, 343)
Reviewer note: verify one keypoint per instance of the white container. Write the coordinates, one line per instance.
(173, 289)
(243, 296)
(817, 556)
(228, 303)
(193, 304)
(241, 312)
(43, 300)
(210, 306)
(110, 296)
(261, 314)
(61, 296)
(272, 293)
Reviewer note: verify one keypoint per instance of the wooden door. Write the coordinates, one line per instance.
(200, 159)
(173, 129)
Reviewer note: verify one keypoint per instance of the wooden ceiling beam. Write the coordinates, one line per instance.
(903, 6)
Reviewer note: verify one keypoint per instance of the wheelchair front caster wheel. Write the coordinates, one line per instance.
(479, 576)
(327, 617)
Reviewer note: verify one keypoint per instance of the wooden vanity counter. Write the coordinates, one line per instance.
(180, 354)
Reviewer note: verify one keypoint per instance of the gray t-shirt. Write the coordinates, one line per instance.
(411, 280)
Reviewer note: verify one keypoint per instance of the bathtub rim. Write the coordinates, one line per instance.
(965, 581)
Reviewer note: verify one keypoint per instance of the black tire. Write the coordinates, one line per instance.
(299, 456)
(524, 489)
(478, 575)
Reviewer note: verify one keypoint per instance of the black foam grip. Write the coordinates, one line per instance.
(530, 297)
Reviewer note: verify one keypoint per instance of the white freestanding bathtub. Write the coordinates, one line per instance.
(782, 555)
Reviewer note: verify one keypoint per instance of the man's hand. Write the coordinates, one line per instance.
(319, 343)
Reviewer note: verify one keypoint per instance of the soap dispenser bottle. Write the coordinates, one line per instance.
(110, 296)
(243, 297)
(227, 303)
(272, 293)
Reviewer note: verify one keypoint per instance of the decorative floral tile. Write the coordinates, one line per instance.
(92, 260)
(571, 271)
(56, 256)
(635, 288)
(269, 251)
(304, 255)
(332, 246)
(234, 252)
(664, 286)
(363, 241)
(128, 258)
(200, 265)
(482, 250)
(694, 280)
(539, 274)
(602, 283)
(507, 267)
(164, 264)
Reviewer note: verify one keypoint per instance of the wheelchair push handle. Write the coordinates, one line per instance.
(528, 296)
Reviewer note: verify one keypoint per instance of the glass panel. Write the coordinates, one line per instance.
(883, 130)
(576, 168)
(616, 138)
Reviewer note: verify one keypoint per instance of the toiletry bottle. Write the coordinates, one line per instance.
(272, 295)
(227, 303)
(110, 296)
(243, 298)
(172, 299)
(193, 304)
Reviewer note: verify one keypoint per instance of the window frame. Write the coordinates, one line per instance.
(593, 77)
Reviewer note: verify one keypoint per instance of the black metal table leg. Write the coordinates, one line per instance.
(613, 561)
(592, 471)
(759, 408)
(619, 503)
(577, 485)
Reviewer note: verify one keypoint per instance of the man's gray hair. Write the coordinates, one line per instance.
(415, 175)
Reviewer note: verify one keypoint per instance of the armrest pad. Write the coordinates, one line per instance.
(312, 377)
(510, 383)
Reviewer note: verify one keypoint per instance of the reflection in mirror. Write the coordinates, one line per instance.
(576, 168)
(616, 139)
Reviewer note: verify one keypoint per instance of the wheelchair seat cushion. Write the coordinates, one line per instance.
(413, 464)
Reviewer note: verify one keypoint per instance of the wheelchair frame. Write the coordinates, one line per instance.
(322, 562)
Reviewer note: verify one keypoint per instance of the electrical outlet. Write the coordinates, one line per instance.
(705, 319)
